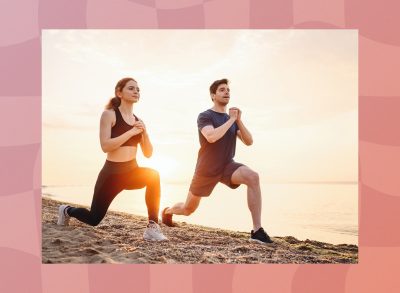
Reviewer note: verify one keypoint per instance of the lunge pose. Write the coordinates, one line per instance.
(217, 134)
(121, 132)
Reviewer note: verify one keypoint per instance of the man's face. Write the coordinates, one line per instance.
(222, 95)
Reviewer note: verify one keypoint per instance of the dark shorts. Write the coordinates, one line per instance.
(204, 185)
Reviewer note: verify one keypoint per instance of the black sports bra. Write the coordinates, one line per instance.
(121, 127)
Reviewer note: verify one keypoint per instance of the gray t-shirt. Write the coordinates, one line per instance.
(213, 157)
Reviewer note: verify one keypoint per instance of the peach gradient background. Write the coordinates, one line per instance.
(21, 22)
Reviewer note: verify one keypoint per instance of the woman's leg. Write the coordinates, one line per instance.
(149, 178)
(105, 191)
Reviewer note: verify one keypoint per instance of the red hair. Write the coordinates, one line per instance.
(116, 101)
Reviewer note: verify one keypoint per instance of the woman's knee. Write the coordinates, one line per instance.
(94, 221)
(153, 175)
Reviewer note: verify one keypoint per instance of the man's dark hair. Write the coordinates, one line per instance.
(216, 84)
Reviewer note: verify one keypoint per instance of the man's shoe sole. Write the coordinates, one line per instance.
(259, 241)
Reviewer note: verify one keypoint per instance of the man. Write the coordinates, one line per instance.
(217, 134)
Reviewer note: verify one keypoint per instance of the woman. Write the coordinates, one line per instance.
(120, 133)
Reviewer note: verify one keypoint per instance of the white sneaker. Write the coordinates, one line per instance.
(153, 232)
(63, 218)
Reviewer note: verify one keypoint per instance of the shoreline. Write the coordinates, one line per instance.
(118, 239)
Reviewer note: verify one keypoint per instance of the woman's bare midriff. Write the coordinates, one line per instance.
(122, 154)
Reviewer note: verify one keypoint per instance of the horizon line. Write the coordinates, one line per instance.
(187, 182)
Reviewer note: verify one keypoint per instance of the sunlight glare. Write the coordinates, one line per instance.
(164, 165)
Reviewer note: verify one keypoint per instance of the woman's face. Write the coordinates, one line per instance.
(130, 92)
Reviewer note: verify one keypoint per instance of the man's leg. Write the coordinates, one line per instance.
(200, 185)
(244, 175)
(186, 208)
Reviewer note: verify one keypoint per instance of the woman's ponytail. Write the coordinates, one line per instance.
(113, 103)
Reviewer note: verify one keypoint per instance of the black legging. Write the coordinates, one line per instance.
(113, 178)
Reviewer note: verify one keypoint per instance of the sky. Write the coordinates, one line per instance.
(297, 89)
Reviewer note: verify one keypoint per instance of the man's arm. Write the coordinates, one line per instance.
(214, 134)
(243, 133)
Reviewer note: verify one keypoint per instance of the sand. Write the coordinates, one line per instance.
(118, 239)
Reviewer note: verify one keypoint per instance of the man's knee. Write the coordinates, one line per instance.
(252, 178)
(189, 210)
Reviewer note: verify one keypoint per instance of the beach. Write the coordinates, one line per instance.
(118, 239)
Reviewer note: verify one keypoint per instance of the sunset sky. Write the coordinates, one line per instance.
(297, 90)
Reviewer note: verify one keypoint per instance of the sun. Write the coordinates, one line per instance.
(166, 166)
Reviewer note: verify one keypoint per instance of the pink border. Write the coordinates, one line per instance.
(20, 145)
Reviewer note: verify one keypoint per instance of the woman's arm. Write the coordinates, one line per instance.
(145, 143)
(107, 143)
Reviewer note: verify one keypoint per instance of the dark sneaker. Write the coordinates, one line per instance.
(167, 218)
(260, 236)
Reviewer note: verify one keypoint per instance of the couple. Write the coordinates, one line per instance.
(120, 133)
